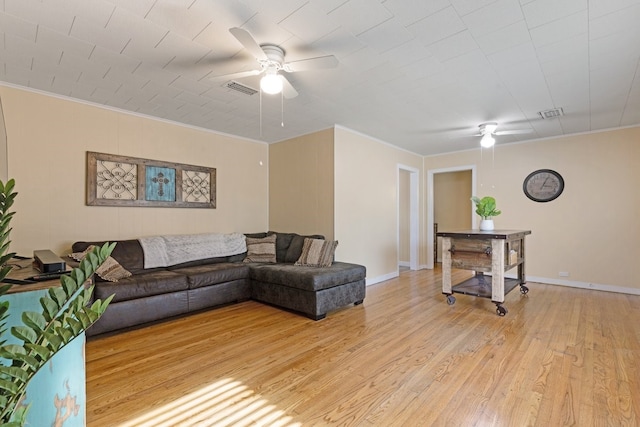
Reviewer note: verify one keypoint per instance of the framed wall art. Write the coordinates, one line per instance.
(114, 180)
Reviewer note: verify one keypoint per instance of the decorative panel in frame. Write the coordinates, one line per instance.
(114, 180)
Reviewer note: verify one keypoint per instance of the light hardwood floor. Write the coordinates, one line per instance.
(561, 356)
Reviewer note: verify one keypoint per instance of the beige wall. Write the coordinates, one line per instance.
(301, 184)
(591, 231)
(3, 146)
(366, 202)
(48, 139)
(452, 206)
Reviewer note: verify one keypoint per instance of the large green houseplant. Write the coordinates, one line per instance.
(64, 316)
(486, 207)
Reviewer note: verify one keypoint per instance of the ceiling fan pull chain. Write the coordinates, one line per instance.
(282, 108)
(260, 113)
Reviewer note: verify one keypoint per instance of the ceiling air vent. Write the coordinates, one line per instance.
(240, 88)
(551, 114)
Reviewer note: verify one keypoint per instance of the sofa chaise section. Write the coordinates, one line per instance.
(313, 291)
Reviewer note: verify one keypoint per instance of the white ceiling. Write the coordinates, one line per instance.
(419, 74)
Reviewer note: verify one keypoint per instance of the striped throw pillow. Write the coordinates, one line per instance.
(110, 270)
(261, 250)
(317, 253)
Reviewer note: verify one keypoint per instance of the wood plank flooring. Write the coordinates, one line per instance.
(561, 356)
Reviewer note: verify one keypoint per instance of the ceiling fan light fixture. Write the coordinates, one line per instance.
(487, 140)
(488, 128)
(271, 83)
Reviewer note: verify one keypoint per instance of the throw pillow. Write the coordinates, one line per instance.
(261, 250)
(110, 270)
(317, 253)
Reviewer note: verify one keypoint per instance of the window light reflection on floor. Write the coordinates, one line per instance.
(225, 403)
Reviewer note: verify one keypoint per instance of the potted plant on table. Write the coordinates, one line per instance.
(65, 315)
(486, 208)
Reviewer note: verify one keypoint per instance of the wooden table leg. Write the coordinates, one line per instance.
(446, 265)
(497, 270)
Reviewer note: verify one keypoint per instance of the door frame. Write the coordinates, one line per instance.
(414, 224)
(430, 209)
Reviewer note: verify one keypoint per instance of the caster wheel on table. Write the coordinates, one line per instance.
(451, 299)
(501, 311)
(524, 290)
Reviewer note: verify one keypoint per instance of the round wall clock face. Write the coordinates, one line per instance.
(543, 185)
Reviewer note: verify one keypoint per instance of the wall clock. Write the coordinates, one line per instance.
(543, 185)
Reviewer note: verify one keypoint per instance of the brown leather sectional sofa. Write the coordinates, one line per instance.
(153, 294)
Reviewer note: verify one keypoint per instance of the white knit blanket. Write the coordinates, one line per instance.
(164, 251)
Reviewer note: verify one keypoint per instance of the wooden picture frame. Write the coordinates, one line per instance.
(114, 180)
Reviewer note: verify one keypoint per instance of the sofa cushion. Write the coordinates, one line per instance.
(205, 275)
(142, 285)
(308, 278)
(257, 235)
(295, 248)
(128, 253)
(207, 261)
(261, 250)
(283, 242)
(317, 253)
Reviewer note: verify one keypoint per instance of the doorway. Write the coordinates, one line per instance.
(407, 217)
(451, 199)
(455, 186)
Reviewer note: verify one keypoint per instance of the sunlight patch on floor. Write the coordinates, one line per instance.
(224, 403)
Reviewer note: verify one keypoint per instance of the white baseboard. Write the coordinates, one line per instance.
(545, 280)
(404, 263)
(373, 280)
(585, 285)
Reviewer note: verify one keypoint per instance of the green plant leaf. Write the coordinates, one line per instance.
(13, 349)
(76, 326)
(19, 417)
(9, 386)
(14, 372)
(32, 362)
(58, 295)
(78, 279)
(68, 284)
(65, 334)
(40, 350)
(55, 342)
(92, 258)
(85, 319)
(35, 321)
(4, 307)
(4, 289)
(105, 303)
(24, 333)
(50, 308)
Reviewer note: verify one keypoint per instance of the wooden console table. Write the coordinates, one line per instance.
(493, 252)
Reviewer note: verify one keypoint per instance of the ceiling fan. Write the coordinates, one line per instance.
(270, 58)
(488, 131)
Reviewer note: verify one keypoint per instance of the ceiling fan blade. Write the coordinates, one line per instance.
(328, 61)
(238, 75)
(288, 91)
(513, 132)
(248, 42)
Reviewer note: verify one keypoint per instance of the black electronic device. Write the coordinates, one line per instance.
(46, 261)
(17, 281)
(46, 276)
